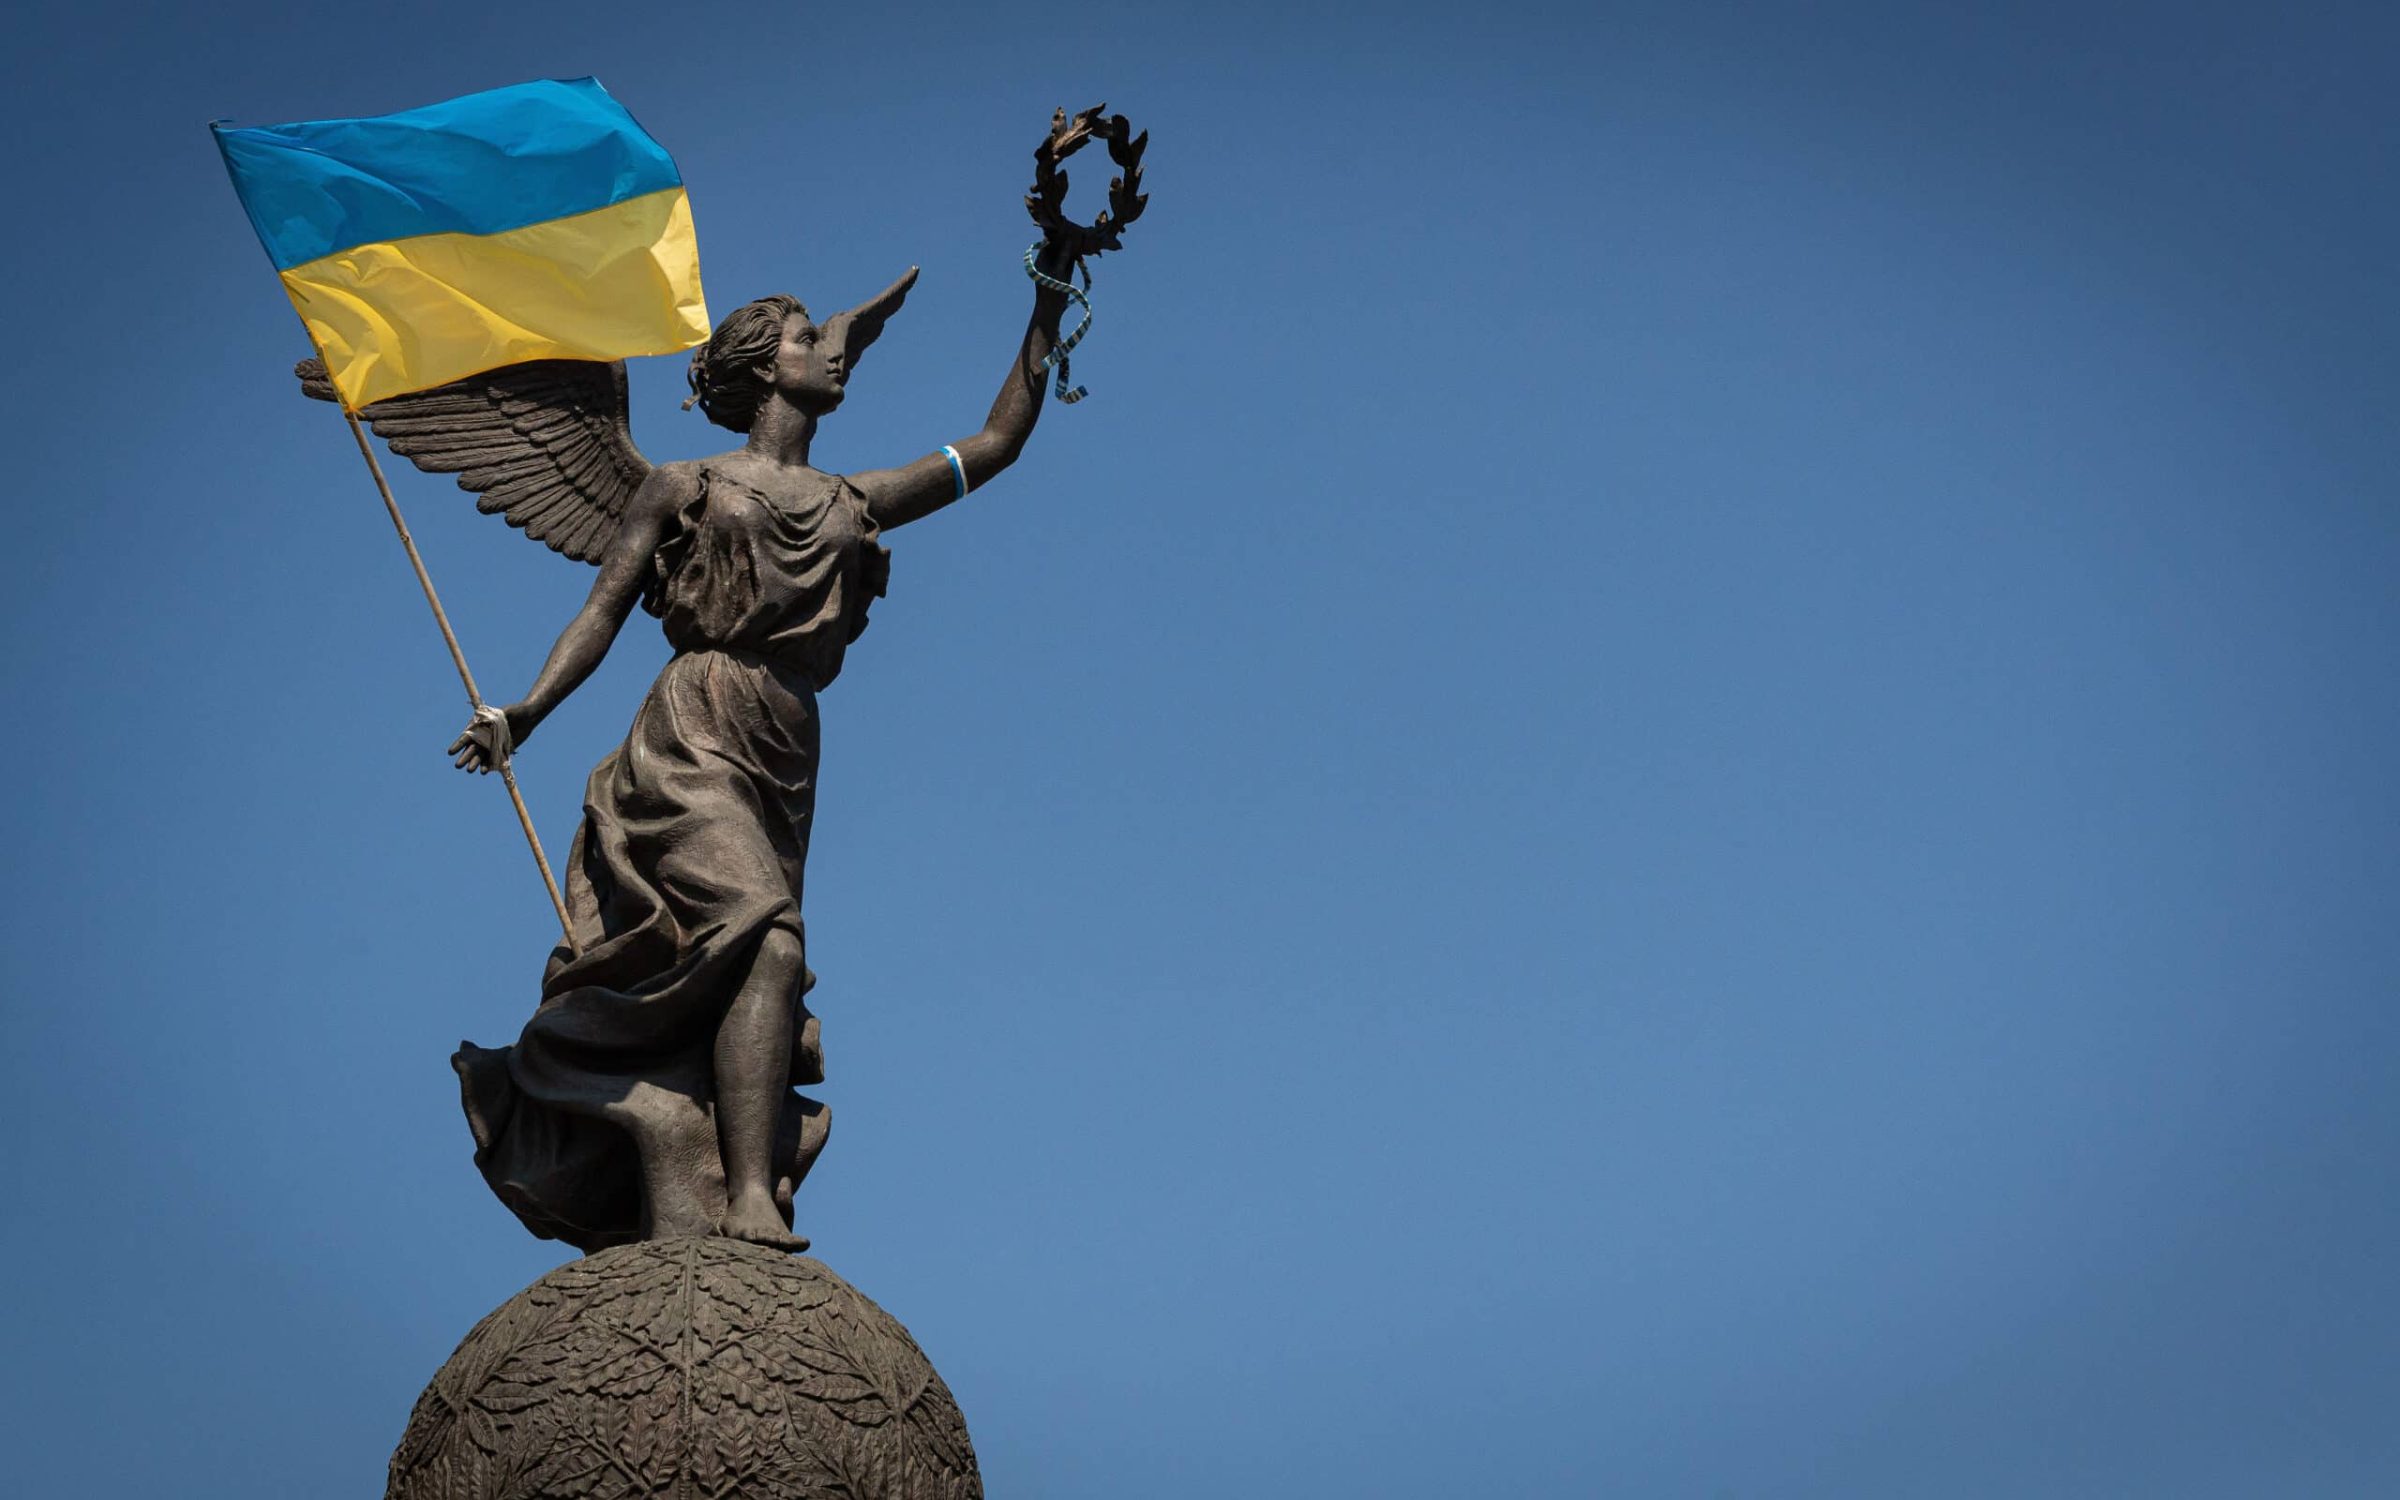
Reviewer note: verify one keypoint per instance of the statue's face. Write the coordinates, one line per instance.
(811, 365)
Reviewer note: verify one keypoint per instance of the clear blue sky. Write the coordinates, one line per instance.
(1683, 787)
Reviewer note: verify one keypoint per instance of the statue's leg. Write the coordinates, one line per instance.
(753, 1072)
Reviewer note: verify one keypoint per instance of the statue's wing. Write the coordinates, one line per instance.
(546, 444)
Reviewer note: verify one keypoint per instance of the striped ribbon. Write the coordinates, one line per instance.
(1066, 346)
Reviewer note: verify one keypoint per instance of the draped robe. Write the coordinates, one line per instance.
(598, 1126)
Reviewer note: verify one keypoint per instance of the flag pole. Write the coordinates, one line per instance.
(458, 659)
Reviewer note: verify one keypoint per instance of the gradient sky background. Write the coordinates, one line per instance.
(1683, 787)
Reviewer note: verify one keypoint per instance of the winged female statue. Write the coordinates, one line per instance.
(652, 1092)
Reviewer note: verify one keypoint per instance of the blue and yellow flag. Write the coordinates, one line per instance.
(533, 222)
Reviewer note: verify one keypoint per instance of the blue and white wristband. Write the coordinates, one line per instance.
(958, 471)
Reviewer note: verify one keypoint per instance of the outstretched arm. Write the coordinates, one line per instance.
(896, 497)
(586, 640)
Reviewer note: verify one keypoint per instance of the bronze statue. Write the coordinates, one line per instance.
(651, 1094)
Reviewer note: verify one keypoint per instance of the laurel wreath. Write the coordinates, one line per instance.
(1047, 203)
(1047, 200)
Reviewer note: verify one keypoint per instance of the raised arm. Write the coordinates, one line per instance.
(586, 640)
(896, 497)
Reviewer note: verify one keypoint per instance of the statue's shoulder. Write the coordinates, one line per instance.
(669, 490)
(680, 480)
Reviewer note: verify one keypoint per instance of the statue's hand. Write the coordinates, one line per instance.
(489, 738)
(1054, 261)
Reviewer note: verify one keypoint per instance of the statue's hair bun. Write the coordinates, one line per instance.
(724, 377)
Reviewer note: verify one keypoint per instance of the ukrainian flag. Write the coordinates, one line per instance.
(533, 222)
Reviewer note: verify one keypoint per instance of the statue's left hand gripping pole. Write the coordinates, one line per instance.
(458, 659)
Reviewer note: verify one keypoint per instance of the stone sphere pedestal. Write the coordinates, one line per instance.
(687, 1368)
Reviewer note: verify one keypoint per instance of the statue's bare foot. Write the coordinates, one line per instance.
(753, 1217)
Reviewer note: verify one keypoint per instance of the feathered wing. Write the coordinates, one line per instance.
(547, 444)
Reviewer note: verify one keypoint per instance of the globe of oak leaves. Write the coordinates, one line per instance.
(702, 1367)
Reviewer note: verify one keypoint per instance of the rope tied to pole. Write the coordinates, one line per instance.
(494, 721)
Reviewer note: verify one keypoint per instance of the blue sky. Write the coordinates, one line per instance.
(1681, 788)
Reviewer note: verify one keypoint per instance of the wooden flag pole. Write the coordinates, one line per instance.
(458, 659)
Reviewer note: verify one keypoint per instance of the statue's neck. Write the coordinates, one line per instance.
(781, 432)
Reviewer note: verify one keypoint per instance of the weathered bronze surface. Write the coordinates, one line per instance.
(651, 1094)
(647, 1112)
(687, 1367)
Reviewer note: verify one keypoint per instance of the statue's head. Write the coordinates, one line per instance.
(771, 347)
